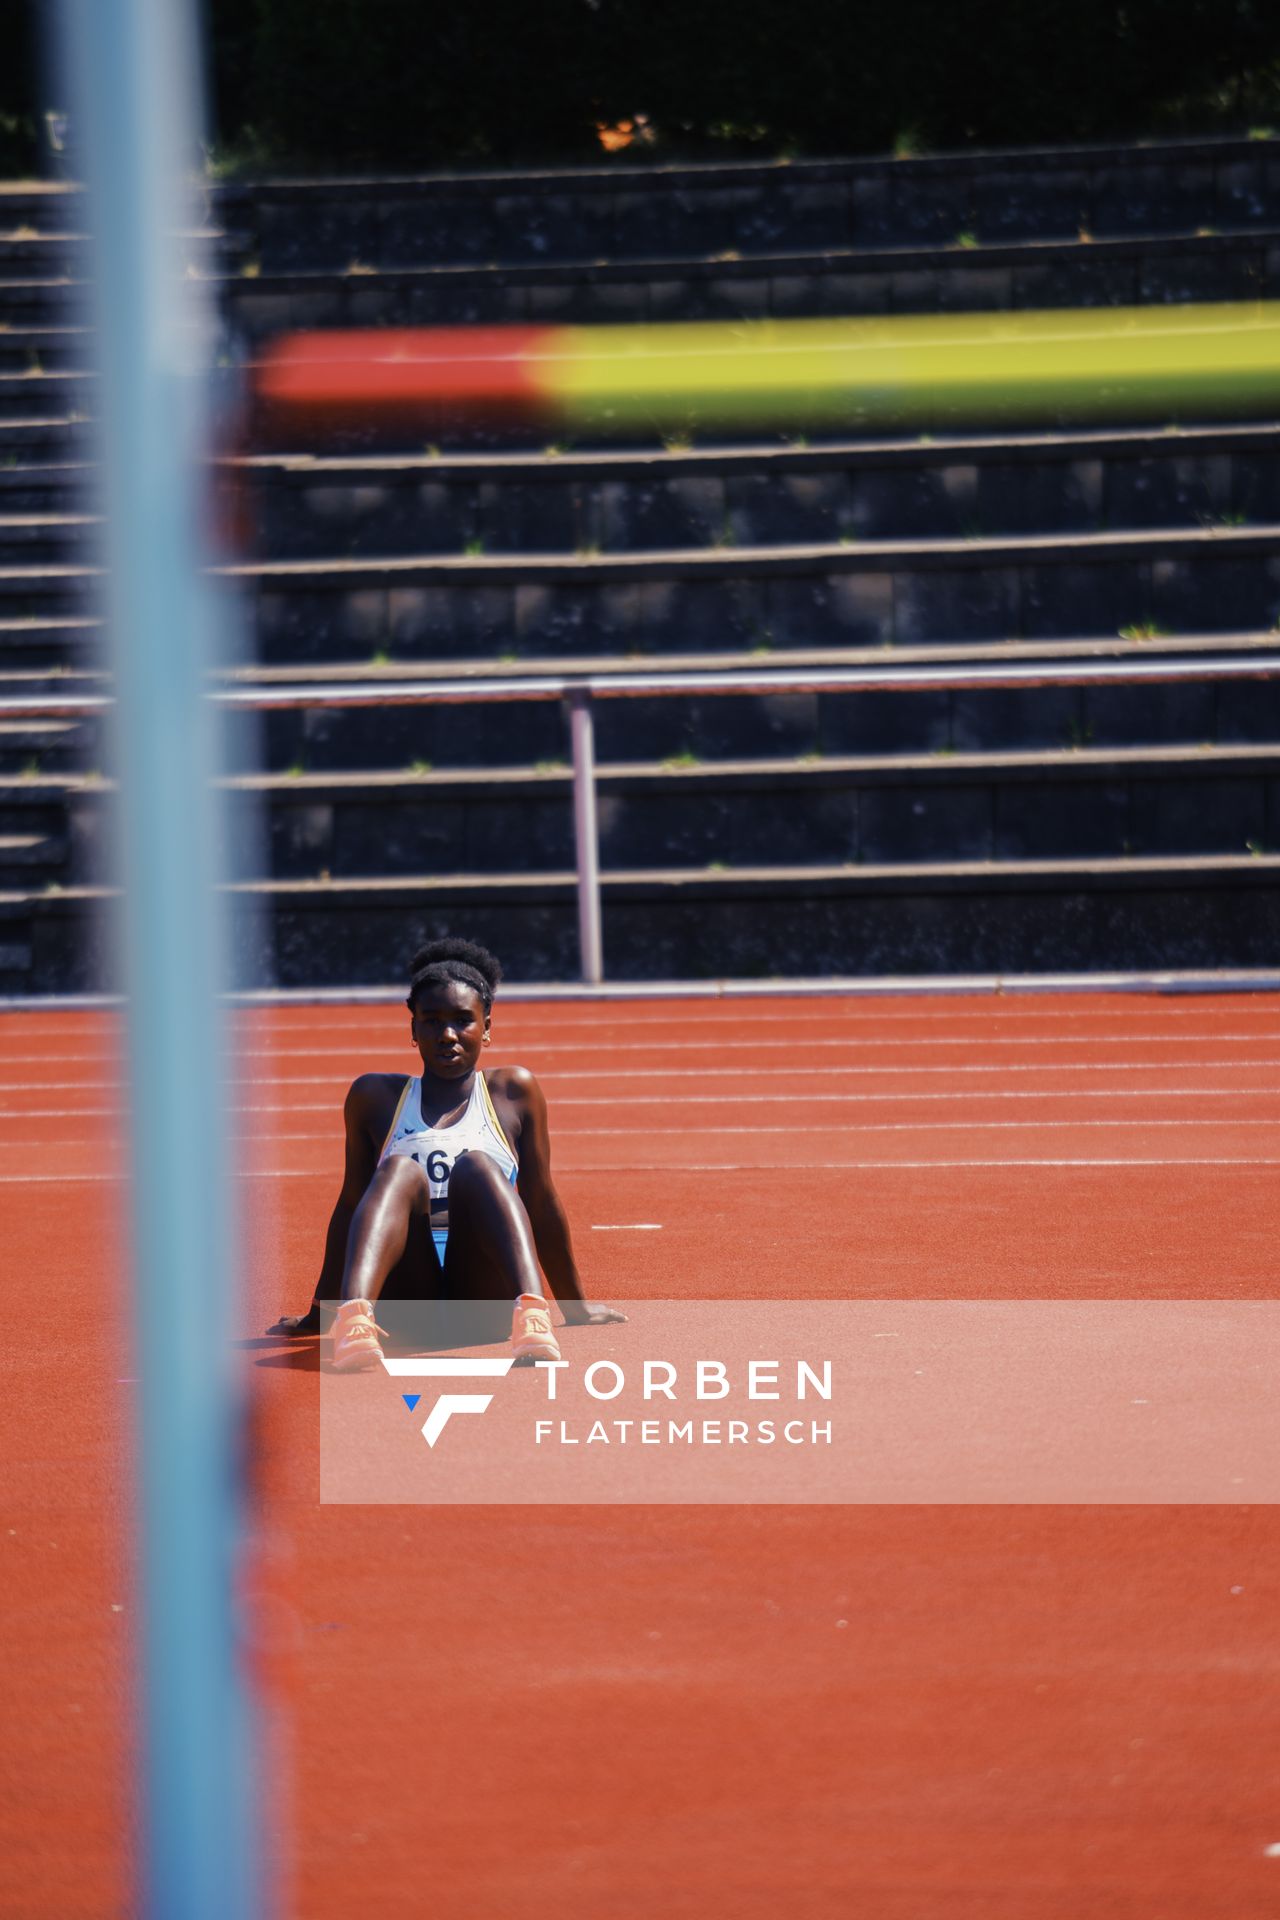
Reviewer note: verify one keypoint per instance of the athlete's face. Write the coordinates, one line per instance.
(449, 1029)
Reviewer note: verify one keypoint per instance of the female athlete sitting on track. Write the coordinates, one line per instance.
(461, 1152)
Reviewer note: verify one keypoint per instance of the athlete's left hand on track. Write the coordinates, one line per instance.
(578, 1313)
(297, 1324)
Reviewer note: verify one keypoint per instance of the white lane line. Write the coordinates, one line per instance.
(42, 1086)
(870, 1041)
(764, 1073)
(62, 1179)
(62, 1113)
(911, 1094)
(508, 1040)
(634, 1226)
(907, 1097)
(884, 1072)
(913, 1166)
(554, 1048)
(893, 1126)
(567, 1077)
(810, 1072)
(562, 1102)
(53, 1059)
(555, 1020)
(819, 1131)
(717, 1166)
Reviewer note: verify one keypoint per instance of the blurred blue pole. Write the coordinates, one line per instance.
(133, 77)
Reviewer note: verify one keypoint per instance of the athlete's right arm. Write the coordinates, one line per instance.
(366, 1115)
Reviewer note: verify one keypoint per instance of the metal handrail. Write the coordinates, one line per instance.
(476, 689)
(582, 690)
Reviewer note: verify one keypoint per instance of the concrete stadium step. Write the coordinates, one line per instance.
(45, 206)
(54, 939)
(31, 862)
(887, 593)
(44, 349)
(59, 680)
(68, 656)
(712, 727)
(27, 850)
(49, 622)
(31, 252)
(53, 292)
(786, 813)
(27, 252)
(50, 644)
(1025, 916)
(692, 727)
(44, 489)
(34, 746)
(620, 211)
(891, 592)
(26, 441)
(55, 822)
(52, 589)
(35, 302)
(45, 395)
(30, 538)
(1081, 648)
(1029, 916)
(307, 506)
(978, 830)
(1242, 265)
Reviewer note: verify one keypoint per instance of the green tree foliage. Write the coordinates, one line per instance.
(401, 84)
(396, 84)
(848, 76)
(20, 86)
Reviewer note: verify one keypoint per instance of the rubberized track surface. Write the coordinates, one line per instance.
(977, 1713)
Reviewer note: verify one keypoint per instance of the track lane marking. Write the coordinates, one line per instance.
(521, 1014)
(749, 1045)
(713, 1100)
(719, 1166)
(819, 1131)
(770, 1074)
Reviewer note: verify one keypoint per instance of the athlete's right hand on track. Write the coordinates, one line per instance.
(579, 1313)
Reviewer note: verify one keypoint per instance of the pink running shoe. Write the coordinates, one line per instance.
(355, 1337)
(532, 1337)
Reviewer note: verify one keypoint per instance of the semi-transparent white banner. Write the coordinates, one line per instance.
(865, 1401)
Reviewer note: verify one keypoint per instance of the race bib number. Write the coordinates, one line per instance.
(437, 1165)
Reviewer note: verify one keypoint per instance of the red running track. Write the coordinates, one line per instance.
(908, 1713)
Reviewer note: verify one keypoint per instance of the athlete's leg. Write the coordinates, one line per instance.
(491, 1255)
(397, 1193)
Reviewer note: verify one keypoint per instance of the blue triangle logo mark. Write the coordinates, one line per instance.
(411, 1400)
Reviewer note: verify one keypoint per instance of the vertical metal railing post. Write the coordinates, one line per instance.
(586, 838)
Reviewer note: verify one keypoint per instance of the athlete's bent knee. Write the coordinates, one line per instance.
(400, 1171)
(475, 1173)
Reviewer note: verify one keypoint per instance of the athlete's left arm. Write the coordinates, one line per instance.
(543, 1204)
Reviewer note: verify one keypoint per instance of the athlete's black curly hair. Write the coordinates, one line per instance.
(461, 960)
